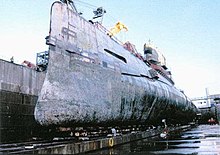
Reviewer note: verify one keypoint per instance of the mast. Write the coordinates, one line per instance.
(71, 4)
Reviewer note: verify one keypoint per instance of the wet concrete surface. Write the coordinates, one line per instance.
(201, 140)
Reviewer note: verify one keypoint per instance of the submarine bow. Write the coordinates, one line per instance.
(91, 78)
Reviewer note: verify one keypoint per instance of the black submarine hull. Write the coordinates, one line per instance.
(92, 79)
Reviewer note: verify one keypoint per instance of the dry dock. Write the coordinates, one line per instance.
(199, 140)
(73, 147)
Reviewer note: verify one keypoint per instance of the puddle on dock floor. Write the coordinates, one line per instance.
(202, 140)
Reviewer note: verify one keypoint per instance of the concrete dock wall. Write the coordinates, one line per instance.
(20, 79)
(19, 88)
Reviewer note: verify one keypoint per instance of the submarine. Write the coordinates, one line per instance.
(94, 79)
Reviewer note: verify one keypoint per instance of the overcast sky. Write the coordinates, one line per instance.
(187, 32)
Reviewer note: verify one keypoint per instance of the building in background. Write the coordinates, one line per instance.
(209, 107)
